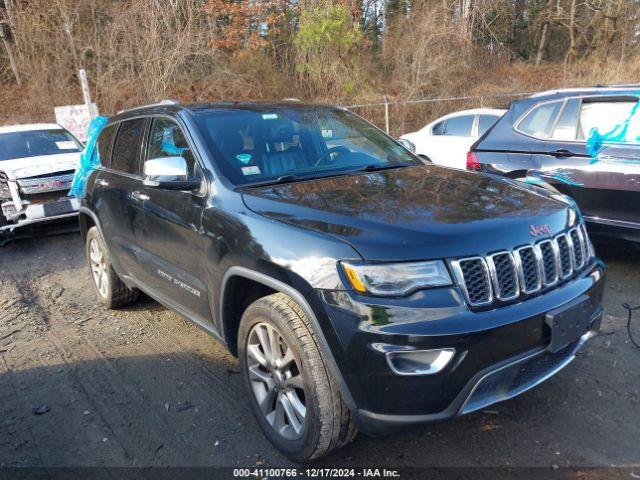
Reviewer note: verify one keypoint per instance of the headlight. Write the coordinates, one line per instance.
(395, 279)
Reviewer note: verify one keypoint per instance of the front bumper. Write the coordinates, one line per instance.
(500, 353)
(20, 212)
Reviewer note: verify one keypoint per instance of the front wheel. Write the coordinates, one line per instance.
(294, 397)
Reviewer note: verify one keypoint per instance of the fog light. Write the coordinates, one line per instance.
(419, 362)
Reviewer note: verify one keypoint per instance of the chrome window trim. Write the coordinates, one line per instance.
(557, 266)
(493, 272)
(519, 267)
(459, 277)
(566, 99)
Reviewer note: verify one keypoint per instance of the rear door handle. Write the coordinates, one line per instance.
(102, 183)
(139, 195)
(563, 152)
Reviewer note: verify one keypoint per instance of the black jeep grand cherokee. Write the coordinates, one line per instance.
(358, 286)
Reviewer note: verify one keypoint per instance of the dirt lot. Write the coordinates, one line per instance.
(141, 386)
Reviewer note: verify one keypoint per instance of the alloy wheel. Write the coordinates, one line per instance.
(99, 269)
(276, 381)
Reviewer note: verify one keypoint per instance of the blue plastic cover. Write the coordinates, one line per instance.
(621, 133)
(89, 158)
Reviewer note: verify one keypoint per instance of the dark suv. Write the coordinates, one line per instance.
(581, 142)
(358, 286)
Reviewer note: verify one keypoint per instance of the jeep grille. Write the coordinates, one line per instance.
(507, 275)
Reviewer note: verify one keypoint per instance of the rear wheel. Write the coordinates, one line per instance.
(293, 395)
(112, 292)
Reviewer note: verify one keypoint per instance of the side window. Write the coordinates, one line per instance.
(459, 126)
(485, 122)
(603, 115)
(166, 139)
(126, 150)
(105, 142)
(540, 120)
(566, 128)
(438, 128)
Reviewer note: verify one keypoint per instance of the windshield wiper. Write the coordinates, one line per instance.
(388, 166)
(276, 181)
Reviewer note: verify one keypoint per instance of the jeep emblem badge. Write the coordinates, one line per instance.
(536, 230)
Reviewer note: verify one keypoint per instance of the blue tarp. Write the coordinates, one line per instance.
(89, 158)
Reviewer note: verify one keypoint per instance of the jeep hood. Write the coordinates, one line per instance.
(42, 165)
(415, 213)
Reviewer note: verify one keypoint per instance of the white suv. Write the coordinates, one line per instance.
(37, 165)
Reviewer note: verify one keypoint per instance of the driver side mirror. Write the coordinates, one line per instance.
(407, 144)
(169, 173)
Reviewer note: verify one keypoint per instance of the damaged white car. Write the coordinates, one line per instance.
(37, 165)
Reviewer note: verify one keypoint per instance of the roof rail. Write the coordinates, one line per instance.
(160, 103)
(585, 89)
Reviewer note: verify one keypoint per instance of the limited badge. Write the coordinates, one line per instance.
(244, 157)
(251, 170)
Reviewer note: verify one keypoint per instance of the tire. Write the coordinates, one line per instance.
(327, 422)
(111, 291)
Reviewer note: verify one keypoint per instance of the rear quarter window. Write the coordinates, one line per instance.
(105, 142)
(459, 126)
(540, 120)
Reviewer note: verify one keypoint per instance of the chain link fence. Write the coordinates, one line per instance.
(398, 117)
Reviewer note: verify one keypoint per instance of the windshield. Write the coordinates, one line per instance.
(34, 143)
(290, 143)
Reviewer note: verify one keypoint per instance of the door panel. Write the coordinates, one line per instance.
(118, 217)
(171, 245)
(172, 254)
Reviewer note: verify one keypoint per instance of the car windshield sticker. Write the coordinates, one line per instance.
(327, 133)
(269, 116)
(251, 170)
(244, 157)
(68, 145)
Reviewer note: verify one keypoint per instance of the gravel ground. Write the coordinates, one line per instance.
(83, 386)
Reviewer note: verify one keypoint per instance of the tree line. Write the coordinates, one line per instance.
(338, 51)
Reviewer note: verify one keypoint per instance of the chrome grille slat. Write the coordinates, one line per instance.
(548, 250)
(579, 253)
(473, 277)
(53, 183)
(528, 264)
(506, 275)
(566, 256)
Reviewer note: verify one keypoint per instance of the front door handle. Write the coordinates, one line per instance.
(136, 195)
(102, 183)
(562, 152)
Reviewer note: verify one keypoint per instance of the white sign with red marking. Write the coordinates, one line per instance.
(75, 118)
